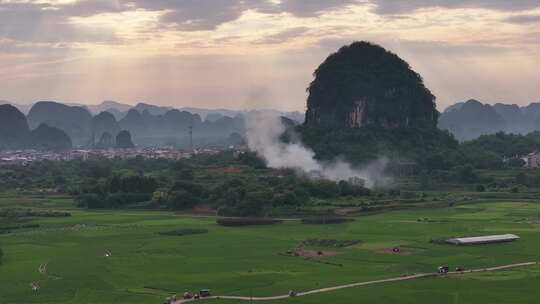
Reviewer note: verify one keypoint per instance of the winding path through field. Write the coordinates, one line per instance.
(389, 280)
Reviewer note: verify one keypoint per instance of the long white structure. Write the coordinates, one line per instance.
(483, 239)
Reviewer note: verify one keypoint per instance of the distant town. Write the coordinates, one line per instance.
(24, 157)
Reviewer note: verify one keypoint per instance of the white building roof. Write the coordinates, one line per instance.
(484, 239)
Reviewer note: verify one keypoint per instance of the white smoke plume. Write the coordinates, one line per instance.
(263, 137)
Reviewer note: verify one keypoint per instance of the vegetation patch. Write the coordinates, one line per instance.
(246, 221)
(18, 212)
(330, 243)
(7, 229)
(315, 253)
(398, 250)
(182, 232)
(326, 220)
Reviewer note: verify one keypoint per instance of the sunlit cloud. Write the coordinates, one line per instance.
(249, 53)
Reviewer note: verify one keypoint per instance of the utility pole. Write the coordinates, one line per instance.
(191, 135)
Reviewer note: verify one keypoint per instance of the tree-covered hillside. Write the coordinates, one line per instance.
(363, 84)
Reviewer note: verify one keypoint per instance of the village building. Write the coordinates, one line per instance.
(532, 160)
(483, 239)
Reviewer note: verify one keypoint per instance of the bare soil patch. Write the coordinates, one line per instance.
(315, 253)
(397, 251)
(203, 210)
(347, 211)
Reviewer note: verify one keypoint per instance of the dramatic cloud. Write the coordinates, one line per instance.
(258, 53)
(312, 8)
(284, 36)
(204, 15)
(195, 15)
(407, 6)
(523, 19)
(43, 22)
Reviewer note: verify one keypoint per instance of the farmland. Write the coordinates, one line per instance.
(66, 256)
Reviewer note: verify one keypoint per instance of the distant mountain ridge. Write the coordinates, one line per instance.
(148, 125)
(75, 121)
(468, 120)
(15, 133)
(119, 110)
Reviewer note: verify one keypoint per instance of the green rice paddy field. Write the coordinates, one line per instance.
(65, 257)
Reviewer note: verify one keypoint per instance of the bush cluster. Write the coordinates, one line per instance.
(326, 220)
(330, 243)
(19, 212)
(111, 200)
(182, 232)
(246, 221)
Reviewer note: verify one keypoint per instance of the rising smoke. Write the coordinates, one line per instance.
(263, 137)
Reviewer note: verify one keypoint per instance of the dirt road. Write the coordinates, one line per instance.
(389, 280)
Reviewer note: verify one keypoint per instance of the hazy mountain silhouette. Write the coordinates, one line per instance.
(14, 130)
(102, 123)
(73, 120)
(45, 137)
(468, 120)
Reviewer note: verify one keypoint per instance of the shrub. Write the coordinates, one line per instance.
(408, 195)
(521, 178)
(90, 201)
(326, 220)
(180, 200)
(21, 226)
(248, 221)
(324, 189)
(116, 200)
(330, 243)
(185, 231)
(351, 189)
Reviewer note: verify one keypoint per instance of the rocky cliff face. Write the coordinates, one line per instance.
(363, 84)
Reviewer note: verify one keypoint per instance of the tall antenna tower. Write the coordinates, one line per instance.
(191, 135)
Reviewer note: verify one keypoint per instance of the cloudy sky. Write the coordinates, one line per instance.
(258, 53)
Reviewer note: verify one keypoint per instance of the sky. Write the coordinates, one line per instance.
(246, 54)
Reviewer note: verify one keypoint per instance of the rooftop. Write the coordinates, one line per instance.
(484, 239)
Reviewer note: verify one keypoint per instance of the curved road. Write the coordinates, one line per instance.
(389, 280)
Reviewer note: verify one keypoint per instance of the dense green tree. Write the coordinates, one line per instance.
(181, 199)
(465, 174)
(521, 179)
(185, 174)
(251, 159)
(348, 189)
(90, 201)
(364, 84)
(324, 189)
